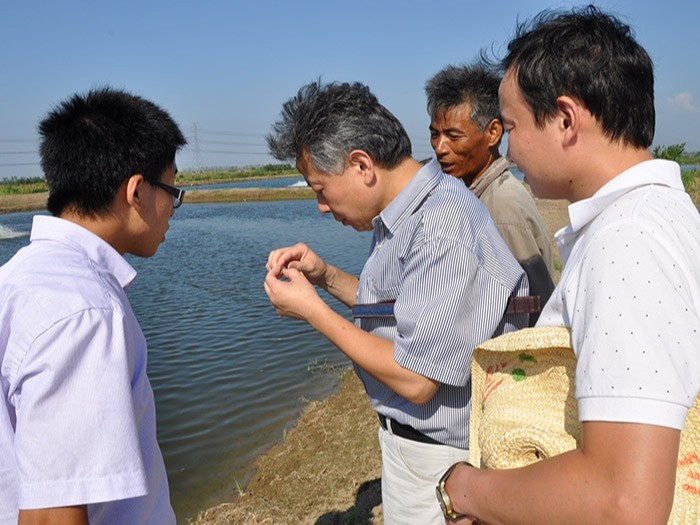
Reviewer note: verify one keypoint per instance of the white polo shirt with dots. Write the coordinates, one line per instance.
(630, 292)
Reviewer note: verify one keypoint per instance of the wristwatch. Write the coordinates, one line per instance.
(444, 499)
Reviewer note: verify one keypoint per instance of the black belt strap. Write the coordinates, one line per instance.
(529, 304)
(405, 431)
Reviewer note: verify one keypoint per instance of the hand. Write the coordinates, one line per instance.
(294, 297)
(299, 257)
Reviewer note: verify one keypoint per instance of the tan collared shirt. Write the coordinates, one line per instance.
(515, 213)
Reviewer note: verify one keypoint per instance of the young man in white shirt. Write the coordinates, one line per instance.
(77, 416)
(577, 101)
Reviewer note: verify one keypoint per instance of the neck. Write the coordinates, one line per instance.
(600, 169)
(494, 155)
(105, 226)
(397, 178)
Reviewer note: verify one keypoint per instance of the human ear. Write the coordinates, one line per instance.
(132, 187)
(570, 118)
(363, 163)
(494, 130)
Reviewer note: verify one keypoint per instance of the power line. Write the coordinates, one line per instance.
(224, 143)
(16, 152)
(235, 152)
(19, 164)
(230, 134)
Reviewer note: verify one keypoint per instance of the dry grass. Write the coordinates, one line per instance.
(23, 202)
(693, 187)
(555, 216)
(248, 194)
(326, 472)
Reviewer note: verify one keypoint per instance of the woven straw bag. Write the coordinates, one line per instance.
(524, 409)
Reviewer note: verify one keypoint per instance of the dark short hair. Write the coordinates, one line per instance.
(91, 143)
(475, 84)
(328, 121)
(592, 57)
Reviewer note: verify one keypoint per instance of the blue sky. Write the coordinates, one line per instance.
(224, 68)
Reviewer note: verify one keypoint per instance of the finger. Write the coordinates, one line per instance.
(273, 258)
(292, 274)
(271, 280)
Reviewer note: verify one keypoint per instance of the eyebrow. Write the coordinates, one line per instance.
(447, 130)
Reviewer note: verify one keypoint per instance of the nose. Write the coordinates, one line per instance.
(440, 145)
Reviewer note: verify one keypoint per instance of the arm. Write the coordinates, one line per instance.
(296, 298)
(336, 282)
(55, 516)
(624, 473)
(71, 435)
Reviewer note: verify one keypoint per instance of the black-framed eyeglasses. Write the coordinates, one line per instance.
(177, 193)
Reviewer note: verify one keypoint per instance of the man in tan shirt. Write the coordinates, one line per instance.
(465, 132)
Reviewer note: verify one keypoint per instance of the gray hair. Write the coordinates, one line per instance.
(328, 121)
(476, 84)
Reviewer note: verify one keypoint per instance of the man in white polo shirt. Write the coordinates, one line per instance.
(577, 101)
(77, 416)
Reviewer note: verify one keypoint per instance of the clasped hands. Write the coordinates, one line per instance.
(292, 273)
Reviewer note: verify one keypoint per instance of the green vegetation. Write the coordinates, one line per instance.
(691, 181)
(16, 186)
(186, 178)
(691, 178)
(677, 153)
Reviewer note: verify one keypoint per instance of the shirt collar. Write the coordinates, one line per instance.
(495, 170)
(657, 171)
(45, 228)
(411, 197)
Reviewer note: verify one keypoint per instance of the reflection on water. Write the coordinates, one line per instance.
(229, 375)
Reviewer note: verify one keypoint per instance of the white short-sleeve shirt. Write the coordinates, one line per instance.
(630, 292)
(77, 416)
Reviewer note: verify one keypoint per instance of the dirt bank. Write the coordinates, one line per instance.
(37, 201)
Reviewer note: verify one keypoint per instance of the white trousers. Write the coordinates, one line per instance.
(410, 472)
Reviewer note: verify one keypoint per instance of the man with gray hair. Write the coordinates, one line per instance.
(465, 132)
(439, 281)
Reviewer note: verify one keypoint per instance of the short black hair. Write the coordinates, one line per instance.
(592, 57)
(328, 121)
(93, 142)
(475, 84)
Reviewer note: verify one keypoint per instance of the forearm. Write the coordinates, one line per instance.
(54, 516)
(625, 475)
(373, 354)
(547, 492)
(340, 285)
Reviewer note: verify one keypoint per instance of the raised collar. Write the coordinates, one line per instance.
(657, 171)
(411, 197)
(46, 228)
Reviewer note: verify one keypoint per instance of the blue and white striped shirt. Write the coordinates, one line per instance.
(438, 254)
